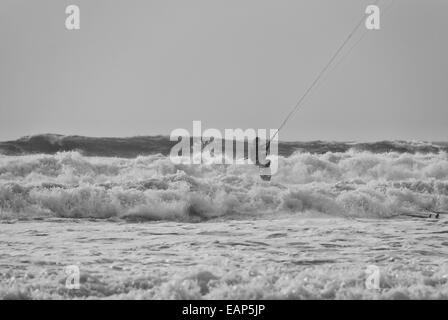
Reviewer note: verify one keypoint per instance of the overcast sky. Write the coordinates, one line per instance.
(144, 67)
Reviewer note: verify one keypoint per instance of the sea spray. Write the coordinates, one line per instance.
(350, 183)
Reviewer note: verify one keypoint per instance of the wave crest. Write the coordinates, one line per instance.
(352, 183)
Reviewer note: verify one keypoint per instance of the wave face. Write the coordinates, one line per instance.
(140, 146)
(351, 182)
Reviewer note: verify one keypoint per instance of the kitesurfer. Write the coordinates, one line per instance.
(265, 172)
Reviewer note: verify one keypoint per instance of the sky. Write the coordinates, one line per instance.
(146, 67)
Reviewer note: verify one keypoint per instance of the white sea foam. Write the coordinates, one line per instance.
(351, 183)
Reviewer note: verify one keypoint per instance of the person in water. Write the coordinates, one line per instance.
(264, 167)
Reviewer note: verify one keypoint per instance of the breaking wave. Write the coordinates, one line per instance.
(351, 182)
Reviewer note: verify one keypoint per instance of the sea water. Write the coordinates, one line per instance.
(139, 226)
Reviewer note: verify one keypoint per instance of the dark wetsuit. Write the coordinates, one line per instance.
(267, 164)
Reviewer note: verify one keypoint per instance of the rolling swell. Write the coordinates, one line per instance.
(146, 145)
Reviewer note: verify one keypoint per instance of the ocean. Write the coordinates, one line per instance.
(140, 227)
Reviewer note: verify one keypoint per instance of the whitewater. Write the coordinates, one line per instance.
(140, 227)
